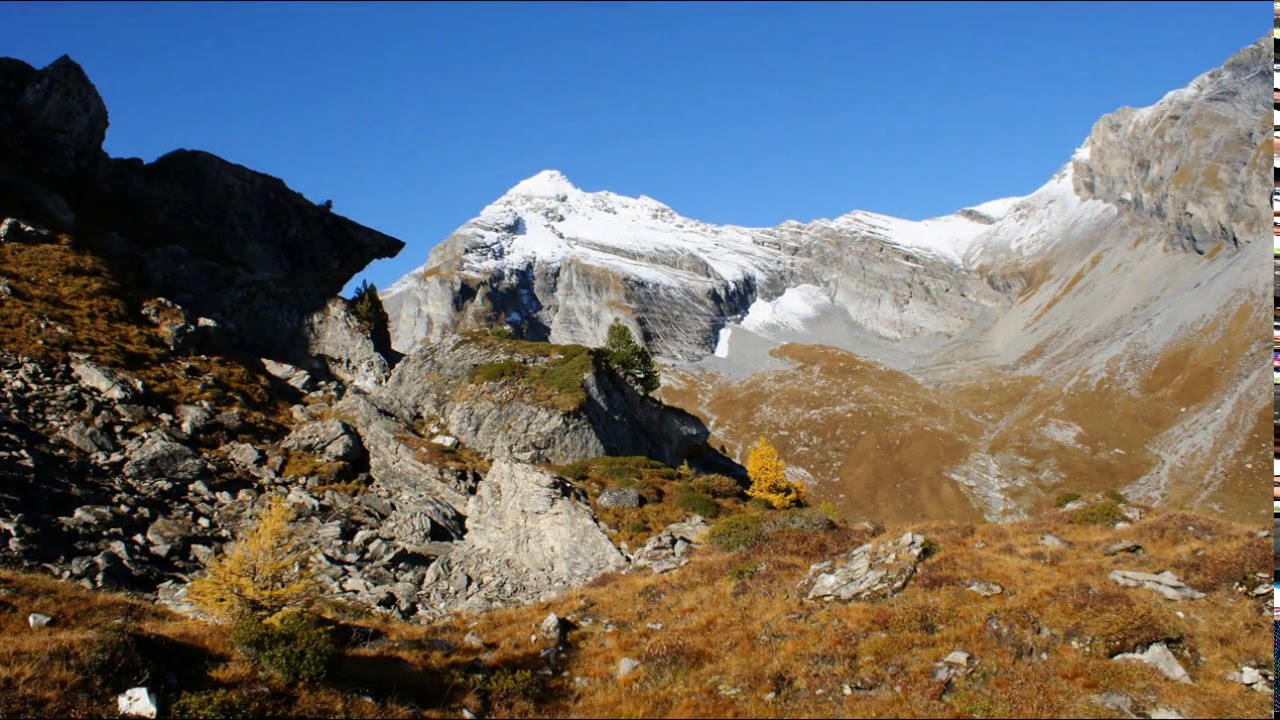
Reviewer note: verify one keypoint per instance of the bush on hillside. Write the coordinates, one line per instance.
(293, 646)
(717, 486)
(1105, 512)
(1066, 499)
(736, 532)
(698, 504)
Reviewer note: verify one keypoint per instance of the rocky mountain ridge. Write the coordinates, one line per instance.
(559, 263)
(1112, 286)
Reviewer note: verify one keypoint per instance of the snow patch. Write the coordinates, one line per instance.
(722, 343)
(790, 311)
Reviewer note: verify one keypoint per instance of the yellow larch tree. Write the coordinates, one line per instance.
(264, 573)
(768, 477)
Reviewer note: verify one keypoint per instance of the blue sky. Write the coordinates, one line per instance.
(413, 116)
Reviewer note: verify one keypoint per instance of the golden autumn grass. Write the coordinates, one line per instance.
(66, 300)
(729, 635)
(882, 443)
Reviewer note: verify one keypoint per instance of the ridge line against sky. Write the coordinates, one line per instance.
(412, 117)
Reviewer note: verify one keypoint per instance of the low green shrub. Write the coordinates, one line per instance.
(736, 532)
(1066, 499)
(928, 549)
(797, 519)
(496, 371)
(717, 486)
(1115, 497)
(115, 658)
(743, 570)
(1105, 512)
(506, 684)
(502, 332)
(698, 504)
(220, 704)
(294, 647)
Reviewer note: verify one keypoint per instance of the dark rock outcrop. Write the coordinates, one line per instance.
(221, 240)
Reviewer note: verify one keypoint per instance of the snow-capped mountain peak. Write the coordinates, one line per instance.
(546, 184)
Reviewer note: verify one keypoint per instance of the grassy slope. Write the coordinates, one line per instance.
(65, 300)
(734, 629)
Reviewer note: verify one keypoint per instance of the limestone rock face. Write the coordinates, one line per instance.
(541, 522)
(529, 535)
(675, 282)
(338, 340)
(1212, 187)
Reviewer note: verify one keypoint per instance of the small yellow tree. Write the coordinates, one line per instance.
(768, 479)
(265, 573)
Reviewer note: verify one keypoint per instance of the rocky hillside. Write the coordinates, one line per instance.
(1102, 610)
(145, 415)
(1102, 330)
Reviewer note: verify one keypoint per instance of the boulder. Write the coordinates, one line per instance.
(333, 440)
(1166, 583)
(539, 521)
(1053, 541)
(552, 629)
(867, 573)
(446, 441)
(158, 457)
(985, 589)
(38, 620)
(1159, 657)
(618, 498)
(669, 549)
(192, 419)
(108, 382)
(296, 378)
(13, 230)
(86, 438)
(137, 702)
(1123, 547)
(955, 664)
(626, 666)
(529, 536)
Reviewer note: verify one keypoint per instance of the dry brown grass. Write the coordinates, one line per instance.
(882, 444)
(67, 300)
(727, 640)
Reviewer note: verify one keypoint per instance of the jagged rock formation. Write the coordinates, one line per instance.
(530, 535)
(223, 241)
